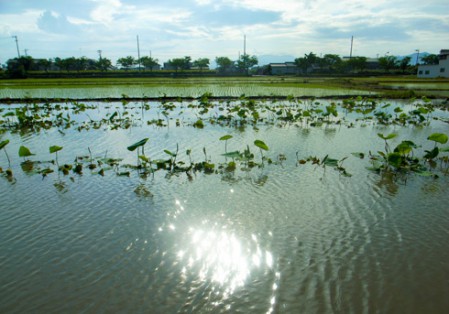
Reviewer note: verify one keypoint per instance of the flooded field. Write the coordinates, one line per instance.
(193, 90)
(294, 206)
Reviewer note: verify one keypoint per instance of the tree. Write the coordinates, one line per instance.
(44, 64)
(59, 63)
(387, 63)
(332, 61)
(126, 62)
(81, 64)
(245, 62)
(430, 59)
(306, 62)
(104, 64)
(404, 63)
(357, 63)
(180, 63)
(224, 64)
(18, 67)
(201, 63)
(65, 64)
(148, 62)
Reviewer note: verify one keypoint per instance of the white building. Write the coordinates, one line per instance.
(436, 70)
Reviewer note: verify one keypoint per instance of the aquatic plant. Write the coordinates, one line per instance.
(55, 149)
(2, 146)
(226, 138)
(25, 152)
(437, 138)
(262, 146)
(136, 145)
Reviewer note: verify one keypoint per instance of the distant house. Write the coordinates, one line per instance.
(286, 68)
(436, 70)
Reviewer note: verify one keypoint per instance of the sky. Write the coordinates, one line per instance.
(210, 28)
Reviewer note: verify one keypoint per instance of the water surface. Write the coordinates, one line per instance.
(282, 238)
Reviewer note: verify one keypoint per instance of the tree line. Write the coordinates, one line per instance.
(19, 67)
(335, 64)
(329, 63)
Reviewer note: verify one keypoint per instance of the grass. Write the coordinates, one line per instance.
(278, 86)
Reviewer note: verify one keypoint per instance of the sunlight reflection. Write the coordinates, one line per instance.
(211, 252)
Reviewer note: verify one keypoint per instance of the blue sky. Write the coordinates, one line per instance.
(211, 28)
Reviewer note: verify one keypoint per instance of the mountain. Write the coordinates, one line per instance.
(413, 57)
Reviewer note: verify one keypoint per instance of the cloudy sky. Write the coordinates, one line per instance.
(211, 28)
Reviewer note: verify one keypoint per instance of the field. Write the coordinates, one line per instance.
(245, 195)
(261, 86)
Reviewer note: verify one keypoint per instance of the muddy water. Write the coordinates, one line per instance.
(283, 238)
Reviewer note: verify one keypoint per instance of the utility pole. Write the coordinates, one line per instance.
(26, 52)
(352, 42)
(99, 53)
(17, 45)
(138, 52)
(417, 56)
(244, 44)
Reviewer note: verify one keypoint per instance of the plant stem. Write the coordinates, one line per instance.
(7, 157)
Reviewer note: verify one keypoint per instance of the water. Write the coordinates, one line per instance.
(282, 239)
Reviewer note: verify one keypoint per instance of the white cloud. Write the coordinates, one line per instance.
(25, 22)
(208, 28)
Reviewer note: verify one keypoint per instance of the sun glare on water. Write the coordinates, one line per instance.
(219, 256)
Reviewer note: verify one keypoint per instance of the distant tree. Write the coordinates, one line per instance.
(224, 64)
(201, 63)
(44, 64)
(148, 62)
(177, 63)
(104, 64)
(126, 62)
(58, 62)
(306, 62)
(66, 64)
(388, 62)
(19, 67)
(245, 62)
(404, 63)
(81, 64)
(430, 59)
(357, 63)
(332, 61)
(180, 63)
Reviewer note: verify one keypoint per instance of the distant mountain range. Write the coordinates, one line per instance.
(413, 57)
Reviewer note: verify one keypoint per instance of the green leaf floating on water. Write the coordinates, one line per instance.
(225, 137)
(169, 153)
(261, 144)
(3, 143)
(388, 137)
(24, 152)
(235, 154)
(54, 149)
(438, 137)
(138, 144)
